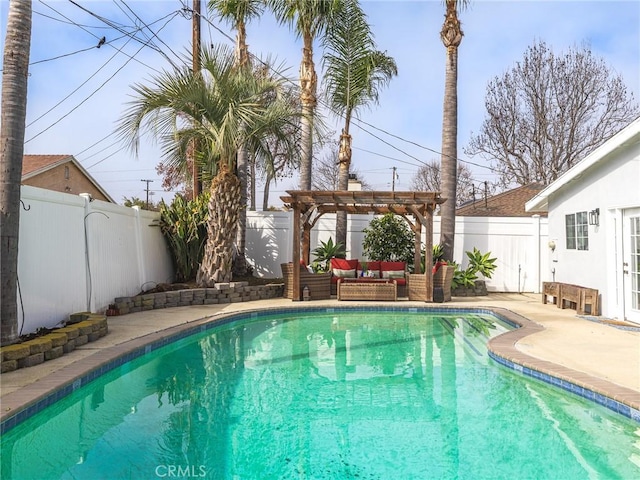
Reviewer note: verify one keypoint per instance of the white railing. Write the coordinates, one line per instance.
(79, 255)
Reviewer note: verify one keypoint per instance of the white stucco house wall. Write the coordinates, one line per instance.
(594, 224)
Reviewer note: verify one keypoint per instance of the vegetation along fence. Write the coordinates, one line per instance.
(79, 255)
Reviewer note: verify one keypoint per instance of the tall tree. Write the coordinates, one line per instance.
(309, 19)
(451, 36)
(15, 72)
(223, 108)
(238, 13)
(355, 73)
(428, 179)
(548, 112)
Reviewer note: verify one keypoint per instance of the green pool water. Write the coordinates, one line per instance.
(345, 395)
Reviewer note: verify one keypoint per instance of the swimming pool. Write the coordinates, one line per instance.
(326, 394)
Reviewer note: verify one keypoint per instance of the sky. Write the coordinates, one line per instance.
(77, 92)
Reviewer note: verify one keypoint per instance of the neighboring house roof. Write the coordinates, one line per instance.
(34, 165)
(506, 204)
(628, 135)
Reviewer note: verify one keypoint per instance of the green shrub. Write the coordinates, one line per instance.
(388, 238)
(479, 263)
(463, 278)
(184, 225)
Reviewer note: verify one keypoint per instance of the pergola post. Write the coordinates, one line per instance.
(428, 254)
(417, 241)
(295, 277)
(306, 242)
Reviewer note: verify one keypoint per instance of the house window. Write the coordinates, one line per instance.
(66, 172)
(577, 231)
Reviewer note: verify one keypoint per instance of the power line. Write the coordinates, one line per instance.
(422, 146)
(106, 158)
(148, 42)
(76, 89)
(149, 28)
(62, 56)
(35, 12)
(84, 27)
(94, 92)
(96, 143)
(390, 158)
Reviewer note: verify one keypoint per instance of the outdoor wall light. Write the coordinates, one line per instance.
(594, 217)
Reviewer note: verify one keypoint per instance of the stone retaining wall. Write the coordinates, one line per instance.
(479, 289)
(221, 293)
(89, 328)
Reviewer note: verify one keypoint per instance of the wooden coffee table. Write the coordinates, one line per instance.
(367, 289)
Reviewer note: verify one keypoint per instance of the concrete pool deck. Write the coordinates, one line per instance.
(557, 342)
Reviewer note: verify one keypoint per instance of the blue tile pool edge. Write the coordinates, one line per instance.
(26, 411)
(586, 393)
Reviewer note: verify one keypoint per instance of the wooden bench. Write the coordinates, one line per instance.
(550, 289)
(572, 296)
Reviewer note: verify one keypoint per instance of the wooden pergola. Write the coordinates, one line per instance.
(309, 205)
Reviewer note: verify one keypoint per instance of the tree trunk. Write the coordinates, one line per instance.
(451, 36)
(221, 229)
(240, 267)
(252, 181)
(344, 159)
(265, 195)
(308, 82)
(14, 111)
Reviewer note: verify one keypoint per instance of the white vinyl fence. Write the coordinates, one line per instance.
(79, 255)
(518, 243)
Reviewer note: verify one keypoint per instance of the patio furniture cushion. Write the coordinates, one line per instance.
(394, 270)
(342, 268)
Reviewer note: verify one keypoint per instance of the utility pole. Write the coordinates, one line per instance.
(147, 189)
(393, 180)
(195, 33)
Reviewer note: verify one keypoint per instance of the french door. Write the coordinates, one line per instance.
(631, 264)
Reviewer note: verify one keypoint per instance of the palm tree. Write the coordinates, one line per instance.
(451, 35)
(309, 19)
(222, 108)
(238, 13)
(355, 71)
(15, 72)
